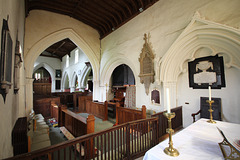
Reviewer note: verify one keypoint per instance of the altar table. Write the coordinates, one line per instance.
(199, 141)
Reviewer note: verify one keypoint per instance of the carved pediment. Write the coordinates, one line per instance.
(146, 64)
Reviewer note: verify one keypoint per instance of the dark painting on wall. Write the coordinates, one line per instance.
(58, 73)
(206, 71)
(5, 60)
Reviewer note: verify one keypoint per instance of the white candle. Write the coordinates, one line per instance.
(168, 100)
(209, 88)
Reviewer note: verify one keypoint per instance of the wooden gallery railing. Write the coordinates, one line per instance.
(126, 141)
(163, 122)
(124, 115)
(98, 109)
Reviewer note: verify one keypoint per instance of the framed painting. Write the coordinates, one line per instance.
(58, 73)
(206, 71)
(6, 59)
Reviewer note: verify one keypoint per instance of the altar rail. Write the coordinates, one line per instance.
(76, 124)
(125, 141)
(163, 122)
(98, 109)
(124, 115)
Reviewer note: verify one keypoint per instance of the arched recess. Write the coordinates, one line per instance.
(64, 78)
(32, 54)
(50, 70)
(198, 34)
(109, 67)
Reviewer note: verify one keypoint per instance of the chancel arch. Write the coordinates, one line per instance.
(44, 42)
(200, 38)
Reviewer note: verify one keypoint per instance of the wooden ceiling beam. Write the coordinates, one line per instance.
(113, 10)
(93, 17)
(126, 6)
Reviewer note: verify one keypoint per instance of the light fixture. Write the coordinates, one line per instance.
(140, 9)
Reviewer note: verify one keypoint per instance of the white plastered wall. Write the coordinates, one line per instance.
(14, 105)
(166, 21)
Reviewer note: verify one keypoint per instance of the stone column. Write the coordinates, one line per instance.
(29, 94)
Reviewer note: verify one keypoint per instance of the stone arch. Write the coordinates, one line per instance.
(64, 78)
(50, 70)
(109, 67)
(83, 75)
(198, 34)
(73, 81)
(32, 53)
(45, 42)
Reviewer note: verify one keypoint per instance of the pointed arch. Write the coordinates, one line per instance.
(84, 75)
(109, 67)
(50, 70)
(54, 37)
(64, 78)
(214, 37)
(73, 80)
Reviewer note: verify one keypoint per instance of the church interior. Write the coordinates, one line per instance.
(119, 79)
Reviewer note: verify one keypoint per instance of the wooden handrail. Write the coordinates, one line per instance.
(118, 139)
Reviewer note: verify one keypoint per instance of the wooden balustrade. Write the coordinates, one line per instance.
(163, 122)
(124, 115)
(125, 141)
(98, 109)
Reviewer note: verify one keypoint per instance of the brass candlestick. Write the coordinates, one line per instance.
(210, 111)
(170, 150)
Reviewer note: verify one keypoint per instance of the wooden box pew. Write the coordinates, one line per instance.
(76, 124)
(54, 110)
(42, 105)
(98, 109)
(124, 115)
(82, 102)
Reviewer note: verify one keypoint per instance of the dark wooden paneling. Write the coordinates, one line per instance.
(42, 105)
(163, 122)
(124, 115)
(19, 136)
(98, 109)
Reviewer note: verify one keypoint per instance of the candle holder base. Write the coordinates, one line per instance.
(171, 151)
(211, 121)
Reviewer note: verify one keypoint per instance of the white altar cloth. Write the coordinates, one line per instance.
(199, 141)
